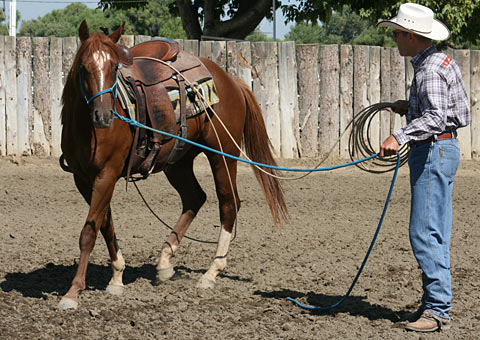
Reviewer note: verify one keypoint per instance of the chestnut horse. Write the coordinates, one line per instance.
(97, 147)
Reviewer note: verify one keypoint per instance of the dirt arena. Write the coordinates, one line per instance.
(313, 258)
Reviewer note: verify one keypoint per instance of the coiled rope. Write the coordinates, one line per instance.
(360, 141)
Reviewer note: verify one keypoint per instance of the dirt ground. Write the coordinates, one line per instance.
(313, 258)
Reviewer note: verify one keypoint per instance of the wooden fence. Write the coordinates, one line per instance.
(308, 93)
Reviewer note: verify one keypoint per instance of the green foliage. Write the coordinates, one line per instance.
(345, 27)
(460, 16)
(153, 19)
(3, 26)
(257, 36)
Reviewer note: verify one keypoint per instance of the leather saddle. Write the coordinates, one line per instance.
(147, 82)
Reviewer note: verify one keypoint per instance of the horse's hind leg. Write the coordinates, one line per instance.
(181, 177)
(115, 286)
(229, 203)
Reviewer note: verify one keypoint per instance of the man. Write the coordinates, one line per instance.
(438, 105)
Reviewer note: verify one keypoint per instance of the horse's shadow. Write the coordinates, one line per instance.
(55, 278)
(353, 305)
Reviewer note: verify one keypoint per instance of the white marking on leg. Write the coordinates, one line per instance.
(164, 266)
(115, 286)
(220, 261)
(118, 267)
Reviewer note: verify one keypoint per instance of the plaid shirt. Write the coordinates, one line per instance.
(438, 101)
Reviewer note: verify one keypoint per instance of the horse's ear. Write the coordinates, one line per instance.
(83, 31)
(115, 36)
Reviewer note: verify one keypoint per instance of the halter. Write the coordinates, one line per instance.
(113, 90)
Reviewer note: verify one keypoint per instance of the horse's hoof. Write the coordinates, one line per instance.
(67, 303)
(205, 283)
(115, 289)
(165, 274)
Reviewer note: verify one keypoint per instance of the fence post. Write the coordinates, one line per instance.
(55, 90)
(361, 69)
(462, 57)
(127, 40)
(24, 94)
(397, 86)
(329, 117)
(307, 61)
(475, 100)
(3, 136)
(11, 96)
(40, 137)
(385, 91)
(287, 72)
(244, 59)
(374, 96)
(346, 96)
(219, 53)
(265, 87)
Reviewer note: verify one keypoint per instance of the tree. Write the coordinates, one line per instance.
(3, 27)
(344, 27)
(242, 16)
(458, 15)
(153, 19)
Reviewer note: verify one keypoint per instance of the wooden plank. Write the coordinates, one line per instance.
(142, 38)
(287, 71)
(374, 96)
(328, 118)
(307, 56)
(11, 96)
(219, 53)
(127, 40)
(462, 57)
(361, 69)
(385, 91)
(3, 99)
(245, 69)
(180, 42)
(55, 90)
(40, 117)
(346, 96)
(475, 100)
(191, 46)
(397, 86)
(205, 49)
(24, 94)
(232, 58)
(69, 50)
(265, 88)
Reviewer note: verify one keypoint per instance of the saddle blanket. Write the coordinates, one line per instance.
(195, 103)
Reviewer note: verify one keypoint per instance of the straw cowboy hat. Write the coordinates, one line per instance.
(417, 19)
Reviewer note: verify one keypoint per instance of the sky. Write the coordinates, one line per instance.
(32, 9)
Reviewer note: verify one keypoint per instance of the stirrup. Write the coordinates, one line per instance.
(147, 165)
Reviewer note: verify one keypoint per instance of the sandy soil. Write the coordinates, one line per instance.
(314, 258)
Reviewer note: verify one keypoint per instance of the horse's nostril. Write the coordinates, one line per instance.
(96, 116)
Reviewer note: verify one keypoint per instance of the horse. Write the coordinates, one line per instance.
(97, 148)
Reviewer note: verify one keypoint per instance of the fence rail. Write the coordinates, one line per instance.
(308, 93)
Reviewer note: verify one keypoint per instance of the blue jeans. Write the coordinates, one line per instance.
(433, 166)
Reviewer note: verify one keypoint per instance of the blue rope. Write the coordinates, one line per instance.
(366, 255)
(135, 123)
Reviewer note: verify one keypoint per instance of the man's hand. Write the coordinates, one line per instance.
(389, 147)
(400, 107)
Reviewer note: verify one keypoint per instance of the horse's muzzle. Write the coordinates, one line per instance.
(101, 119)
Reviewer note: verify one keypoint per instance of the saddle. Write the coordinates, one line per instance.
(156, 90)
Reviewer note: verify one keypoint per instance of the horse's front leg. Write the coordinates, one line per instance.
(229, 204)
(100, 197)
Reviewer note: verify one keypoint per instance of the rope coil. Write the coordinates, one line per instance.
(360, 142)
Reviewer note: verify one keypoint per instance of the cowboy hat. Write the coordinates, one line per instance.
(419, 20)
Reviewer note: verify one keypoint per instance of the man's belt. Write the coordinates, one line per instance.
(443, 136)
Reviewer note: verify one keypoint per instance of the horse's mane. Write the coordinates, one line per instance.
(71, 90)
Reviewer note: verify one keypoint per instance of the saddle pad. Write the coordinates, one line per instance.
(195, 103)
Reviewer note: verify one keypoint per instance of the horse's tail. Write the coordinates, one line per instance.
(257, 147)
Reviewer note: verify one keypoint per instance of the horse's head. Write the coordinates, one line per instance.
(99, 61)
